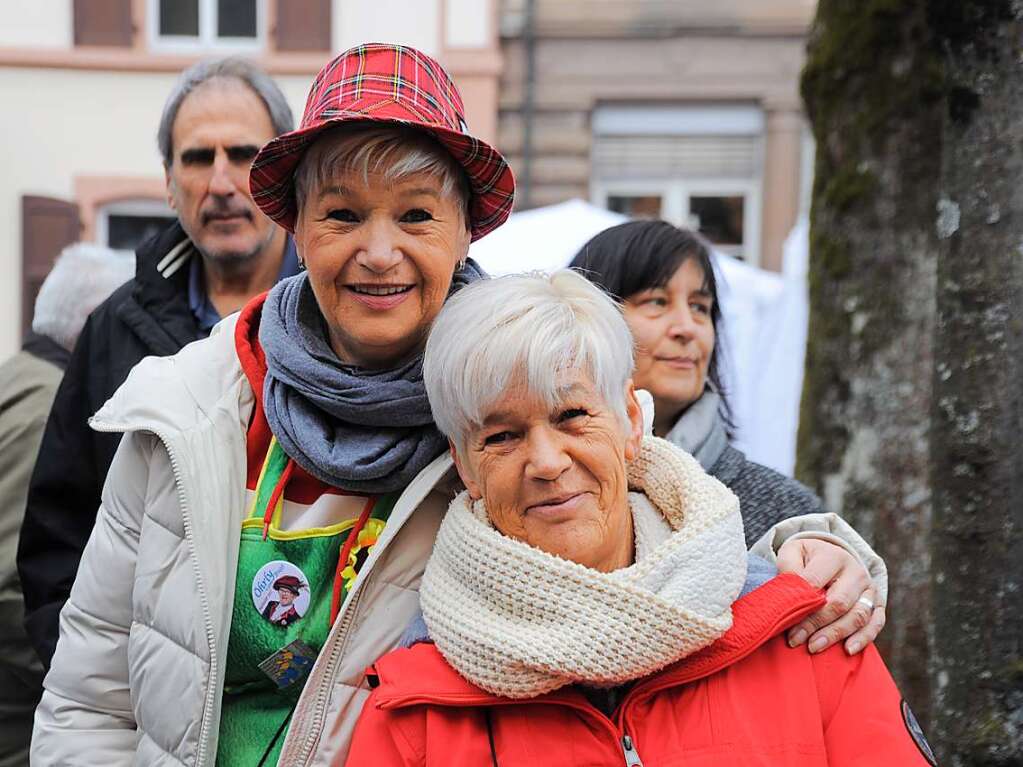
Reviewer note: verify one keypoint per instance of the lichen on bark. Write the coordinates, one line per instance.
(912, 406)
(873, 88)
(977, 463)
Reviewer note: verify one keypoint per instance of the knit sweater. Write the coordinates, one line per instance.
(766, 497)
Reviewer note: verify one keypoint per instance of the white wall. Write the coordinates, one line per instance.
(408, 22)
(105, 126)
(467, 24)
(37, 24)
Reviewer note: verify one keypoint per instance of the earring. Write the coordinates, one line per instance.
(461, 264)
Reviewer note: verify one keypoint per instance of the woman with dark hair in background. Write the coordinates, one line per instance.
(663, 277)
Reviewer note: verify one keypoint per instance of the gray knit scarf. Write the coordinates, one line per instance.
(700, 431)
(365, 431)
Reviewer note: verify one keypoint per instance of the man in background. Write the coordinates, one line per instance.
(82, 277)
(221, 252)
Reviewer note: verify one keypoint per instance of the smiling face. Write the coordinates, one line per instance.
(556, 478)
(287, 595)
(380, 256)
(674, 338)
(217, 132)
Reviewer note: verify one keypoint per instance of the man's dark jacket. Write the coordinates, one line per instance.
(149, 315)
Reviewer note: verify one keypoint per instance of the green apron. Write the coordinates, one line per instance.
(256, 710)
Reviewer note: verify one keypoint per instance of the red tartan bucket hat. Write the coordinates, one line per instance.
(383, 83)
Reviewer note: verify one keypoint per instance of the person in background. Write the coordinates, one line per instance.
(589, 599)
(664, 279)
(82, 277)
(219, 253)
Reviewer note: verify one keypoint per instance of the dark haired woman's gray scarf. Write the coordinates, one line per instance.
(700, 431)
(365, 431)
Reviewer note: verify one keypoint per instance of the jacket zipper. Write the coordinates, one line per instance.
(323, 689)
(631, 757)
(348, 611)
(203, 599)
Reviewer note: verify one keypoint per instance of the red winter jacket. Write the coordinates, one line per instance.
(748, 699)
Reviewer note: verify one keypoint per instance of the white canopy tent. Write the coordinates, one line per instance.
(764, 317)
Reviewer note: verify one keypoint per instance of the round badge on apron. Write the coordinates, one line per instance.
(280, 592)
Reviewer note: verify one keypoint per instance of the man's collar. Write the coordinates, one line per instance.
(206, 314)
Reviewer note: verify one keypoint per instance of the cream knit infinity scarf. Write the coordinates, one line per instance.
(519, 622)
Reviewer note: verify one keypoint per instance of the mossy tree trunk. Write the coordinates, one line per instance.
(977, 437)
(912, 419)
(873, 88)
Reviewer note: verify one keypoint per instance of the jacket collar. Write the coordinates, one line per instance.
(250, 351)
(157, 309)
(420, 675)
(757, 617)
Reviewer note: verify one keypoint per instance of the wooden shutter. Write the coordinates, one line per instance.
(104, 22)
(48, 226)
(302, 25)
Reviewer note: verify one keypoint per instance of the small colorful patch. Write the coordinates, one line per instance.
(916, 732)
(289, 664)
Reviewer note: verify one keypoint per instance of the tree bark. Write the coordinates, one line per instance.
(977, 540)
(873, 88)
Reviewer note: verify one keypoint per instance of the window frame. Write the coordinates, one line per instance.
(206, 40)
(140, 206)
(675, 194)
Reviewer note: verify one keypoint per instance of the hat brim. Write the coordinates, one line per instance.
(272, 178)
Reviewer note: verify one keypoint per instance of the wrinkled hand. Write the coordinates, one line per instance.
(831, 567)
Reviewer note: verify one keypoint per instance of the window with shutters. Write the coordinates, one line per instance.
(190, 25)
(48, 225)
(695, 166)
(302, 25)
(103, 22)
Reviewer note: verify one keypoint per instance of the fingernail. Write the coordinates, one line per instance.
(854, 647)
(818, 644)
(798, 638)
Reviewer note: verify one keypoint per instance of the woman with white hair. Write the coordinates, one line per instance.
(589, 599)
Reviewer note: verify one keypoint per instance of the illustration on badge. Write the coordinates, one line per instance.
(280, 592)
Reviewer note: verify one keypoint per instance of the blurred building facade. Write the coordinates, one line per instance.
(684, 109)
(83, 82)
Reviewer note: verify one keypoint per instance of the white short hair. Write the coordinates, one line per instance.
(82, 278)
(393, 151)
(495, 333)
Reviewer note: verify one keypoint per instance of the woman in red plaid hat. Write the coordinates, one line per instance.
(297, 439)
(292, 446)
